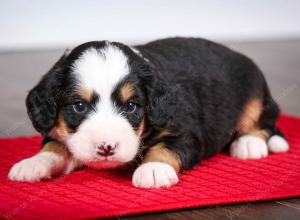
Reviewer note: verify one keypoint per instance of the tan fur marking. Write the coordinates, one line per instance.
(159, 153)
(261, 134)
(126, 92)
(163, 133)
(248, 121)
(60, 149)
(140, 130)
(86, 94)
(61, 128)
(57, 148)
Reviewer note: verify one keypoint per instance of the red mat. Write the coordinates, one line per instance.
(88, 193)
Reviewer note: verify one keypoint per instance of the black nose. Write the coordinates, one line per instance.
(106, 149)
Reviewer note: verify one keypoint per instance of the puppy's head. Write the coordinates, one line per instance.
(100, 99)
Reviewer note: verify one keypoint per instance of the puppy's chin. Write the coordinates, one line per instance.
(103, 164)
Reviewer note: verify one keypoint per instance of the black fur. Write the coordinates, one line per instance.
(192, 87)
(213, 84)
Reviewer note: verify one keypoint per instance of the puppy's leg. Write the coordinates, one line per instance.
(257, 132)
(159, 168)
(54, 159)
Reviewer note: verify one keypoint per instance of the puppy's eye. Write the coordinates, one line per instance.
(80, 107)
(130, 107)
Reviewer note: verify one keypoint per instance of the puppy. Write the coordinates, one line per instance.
(167, 104)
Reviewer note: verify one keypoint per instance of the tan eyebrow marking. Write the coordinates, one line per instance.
(86, 94)
(126, 92)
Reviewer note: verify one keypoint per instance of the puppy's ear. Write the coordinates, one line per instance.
(162, 101)
(42, 100)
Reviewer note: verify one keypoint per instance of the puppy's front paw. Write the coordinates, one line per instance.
(154, 175)
(249, 147)
(36, 168)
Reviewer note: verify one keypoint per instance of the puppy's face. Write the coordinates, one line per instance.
(97, 96)
(105, 109)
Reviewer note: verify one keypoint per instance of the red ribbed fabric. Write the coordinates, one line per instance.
(89, 193)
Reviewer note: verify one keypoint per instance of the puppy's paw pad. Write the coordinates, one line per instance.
(32, 169)
(154, 175)
(249, 147)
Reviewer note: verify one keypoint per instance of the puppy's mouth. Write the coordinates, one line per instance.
(104, 164)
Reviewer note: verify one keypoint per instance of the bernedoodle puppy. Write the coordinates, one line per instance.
(166, 105)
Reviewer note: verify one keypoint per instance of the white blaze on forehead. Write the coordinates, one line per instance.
(101, 69)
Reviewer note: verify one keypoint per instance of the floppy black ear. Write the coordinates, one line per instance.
(162, 102)
(41, 102)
